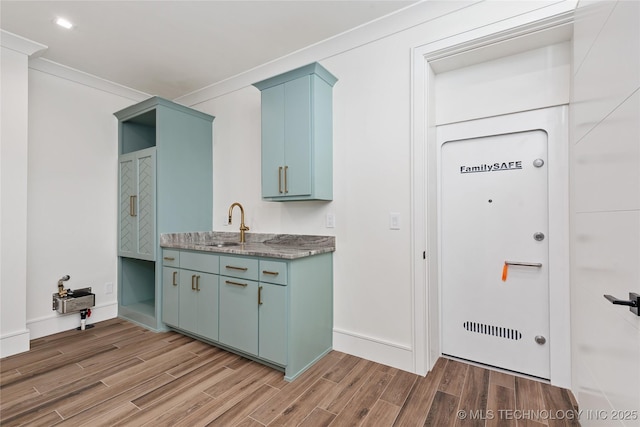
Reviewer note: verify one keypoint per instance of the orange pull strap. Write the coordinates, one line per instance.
(505, 269)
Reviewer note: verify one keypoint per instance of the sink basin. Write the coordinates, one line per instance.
(221, 244)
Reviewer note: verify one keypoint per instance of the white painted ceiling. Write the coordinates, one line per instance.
(172, 48)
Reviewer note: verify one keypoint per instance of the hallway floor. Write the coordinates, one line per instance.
(120, 374)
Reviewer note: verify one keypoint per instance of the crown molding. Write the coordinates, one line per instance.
(20, 44)
(86, 79)
(401, 20)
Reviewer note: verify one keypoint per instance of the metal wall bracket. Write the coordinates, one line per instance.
(633, 302)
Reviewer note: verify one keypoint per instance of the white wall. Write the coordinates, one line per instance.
(72, 213)
(373, 283)
(605, 208)
(14, 336)
(528, 80)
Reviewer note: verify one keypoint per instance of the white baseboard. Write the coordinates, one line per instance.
(14, 343)
(49, 325)
(379, 351)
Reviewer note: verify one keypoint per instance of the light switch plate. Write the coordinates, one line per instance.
(394, 221)
(330, 220)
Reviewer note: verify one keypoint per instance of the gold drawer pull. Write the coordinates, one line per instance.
(286, 189)
(175, 273)
(193, 284)
(169, 258)
(231, 267)
(229, 282)
(280, 179)
(198, 283)
(273, 273)
(259, 295)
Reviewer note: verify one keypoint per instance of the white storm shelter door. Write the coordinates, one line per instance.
(494, 251)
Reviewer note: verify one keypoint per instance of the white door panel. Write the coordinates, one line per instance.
(493, 201)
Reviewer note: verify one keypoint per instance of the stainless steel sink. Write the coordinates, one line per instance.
(221, 244)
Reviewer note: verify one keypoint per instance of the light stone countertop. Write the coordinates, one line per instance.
(284, 246)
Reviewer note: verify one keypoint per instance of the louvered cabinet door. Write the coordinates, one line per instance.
(137, 206)
(145, 204)
(126, 220)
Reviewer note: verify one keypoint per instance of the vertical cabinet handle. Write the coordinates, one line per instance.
(175, 273)
(193, 282)
(280, 179)
(259, 295)
(198, 283)
(286, 190)
(132, 205)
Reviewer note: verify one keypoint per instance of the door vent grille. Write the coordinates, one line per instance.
(496, 331)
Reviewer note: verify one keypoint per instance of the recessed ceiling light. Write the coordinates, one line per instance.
(64, 23)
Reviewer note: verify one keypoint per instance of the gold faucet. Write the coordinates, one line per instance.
(243, 227)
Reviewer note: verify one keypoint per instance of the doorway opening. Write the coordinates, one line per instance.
(430, 62)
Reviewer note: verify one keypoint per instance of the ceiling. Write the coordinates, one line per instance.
(172, 48)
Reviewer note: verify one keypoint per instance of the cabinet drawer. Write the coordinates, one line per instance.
(170, 258)
(245, 268)
(199, 261)
(273, 272)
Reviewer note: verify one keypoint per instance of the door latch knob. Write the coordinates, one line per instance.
(633, 302)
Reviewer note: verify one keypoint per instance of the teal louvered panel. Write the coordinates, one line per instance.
(127, 190)
(146, 204)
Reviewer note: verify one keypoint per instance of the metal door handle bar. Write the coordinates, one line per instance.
(524, 264)
(633, 302)
(231, 267)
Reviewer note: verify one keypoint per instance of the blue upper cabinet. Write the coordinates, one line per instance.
(297, 135)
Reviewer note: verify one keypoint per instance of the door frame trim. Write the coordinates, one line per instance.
(549, 24)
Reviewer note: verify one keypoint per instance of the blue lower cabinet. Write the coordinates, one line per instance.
(239, 314)
(284, 318)
(170, 295)
(198, 312)
(272, 323)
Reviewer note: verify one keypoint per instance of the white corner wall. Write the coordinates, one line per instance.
(72, 192)
(605, 210)
(14, 335)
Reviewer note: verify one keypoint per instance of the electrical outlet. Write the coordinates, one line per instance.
(330, 220)
(108, 288)
(394, 221)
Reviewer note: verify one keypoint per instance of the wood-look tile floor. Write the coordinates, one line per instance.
(118, 374)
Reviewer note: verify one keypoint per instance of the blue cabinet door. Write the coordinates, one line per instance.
(239, 314)
(137, 206)
(272, 313)
(273, 141)
(170, 295)
(297, 137)
(198, 312)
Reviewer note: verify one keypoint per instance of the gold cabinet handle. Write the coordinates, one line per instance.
(134, 205)
(131, 206)
(198, 283)
(175, 273)
(280, 179)
(286, 190)
(273, 273)
(259, 295)
(229, 282)
(193, 280)
(169, 258)
(231, 267)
